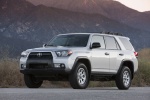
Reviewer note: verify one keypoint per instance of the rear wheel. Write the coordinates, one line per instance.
(123, 78)
(79, 78)
(32, 82)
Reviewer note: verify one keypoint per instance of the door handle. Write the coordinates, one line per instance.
(121, 54)
(106, 53)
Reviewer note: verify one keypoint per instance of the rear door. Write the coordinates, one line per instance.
(114, 52)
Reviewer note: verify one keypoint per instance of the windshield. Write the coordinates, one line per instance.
(73, 40)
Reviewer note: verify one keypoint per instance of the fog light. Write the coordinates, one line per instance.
(23, 66)
(62, 65)
(57, 65)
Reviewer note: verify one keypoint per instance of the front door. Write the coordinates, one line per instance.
(99, 56)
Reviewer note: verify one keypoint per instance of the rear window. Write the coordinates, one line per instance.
(127, 44)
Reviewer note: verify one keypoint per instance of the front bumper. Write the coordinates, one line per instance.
(51, 71)
(47, 64)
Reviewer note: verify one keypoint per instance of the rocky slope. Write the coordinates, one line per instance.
(24, 25)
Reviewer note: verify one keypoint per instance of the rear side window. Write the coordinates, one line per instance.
(111, 43)
(127, 44)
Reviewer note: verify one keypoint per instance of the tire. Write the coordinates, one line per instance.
(32, 82)
(79, 77)
(124, 78)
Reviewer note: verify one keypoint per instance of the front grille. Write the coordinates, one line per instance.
(40, 55)
(40, 60)
(39, 66)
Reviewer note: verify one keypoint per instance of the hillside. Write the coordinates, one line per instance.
(109, 8)
(12, 47)
(24, 25)
(147, 12)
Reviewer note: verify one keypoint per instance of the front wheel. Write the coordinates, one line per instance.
(123, 78)
(79, 78)
(32, 82)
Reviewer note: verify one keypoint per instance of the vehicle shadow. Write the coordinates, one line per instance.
(103, 88)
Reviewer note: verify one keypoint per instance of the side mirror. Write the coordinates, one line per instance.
(95, 45)
(44, 45)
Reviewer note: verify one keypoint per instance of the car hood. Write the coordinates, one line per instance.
(47, 49)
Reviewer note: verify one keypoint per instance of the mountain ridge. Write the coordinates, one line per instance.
(109, 8)
(38, 24)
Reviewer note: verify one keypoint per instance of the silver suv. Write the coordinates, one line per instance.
(79, 58)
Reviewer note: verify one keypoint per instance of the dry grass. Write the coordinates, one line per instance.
(11, 77)
(142, 78)
(9, 73)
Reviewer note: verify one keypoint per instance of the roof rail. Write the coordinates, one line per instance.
(111, 33)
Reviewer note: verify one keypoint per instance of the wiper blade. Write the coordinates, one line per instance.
(50, 45)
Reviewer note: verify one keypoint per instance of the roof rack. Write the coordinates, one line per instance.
(111, 33)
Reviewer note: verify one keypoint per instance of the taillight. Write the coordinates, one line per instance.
(136, 54)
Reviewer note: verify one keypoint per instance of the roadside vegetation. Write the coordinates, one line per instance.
(142, 78)
(11, 77)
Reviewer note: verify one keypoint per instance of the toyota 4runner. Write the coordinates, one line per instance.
(79, 58)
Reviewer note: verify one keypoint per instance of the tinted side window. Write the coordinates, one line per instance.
(127, 44)
(99, 39)
(111, 43)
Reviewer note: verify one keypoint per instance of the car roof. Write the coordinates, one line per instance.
(101, 33)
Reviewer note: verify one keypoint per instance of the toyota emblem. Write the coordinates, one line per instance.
(39, 54)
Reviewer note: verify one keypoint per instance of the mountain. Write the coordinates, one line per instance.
(109, 8)
(147, 12)
(13, 47)
(12, 10)
(24, 25)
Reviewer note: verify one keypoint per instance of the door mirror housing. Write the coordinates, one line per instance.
(96, 45)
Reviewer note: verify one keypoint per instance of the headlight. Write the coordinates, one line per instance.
(63, 53)
(24, 54)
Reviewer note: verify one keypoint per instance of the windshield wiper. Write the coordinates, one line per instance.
(50, 45)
